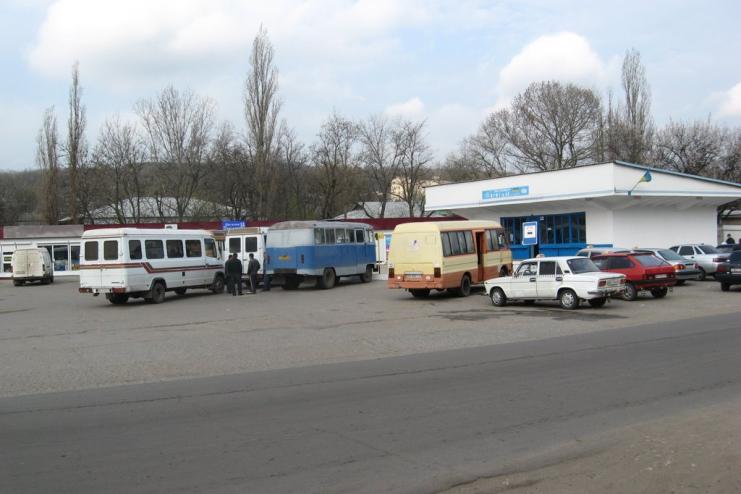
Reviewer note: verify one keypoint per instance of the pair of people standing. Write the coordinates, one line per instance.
(233, 270)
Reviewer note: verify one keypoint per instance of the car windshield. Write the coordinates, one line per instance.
(670, 255)
(579, 266)
(649, 260)
(707, 249)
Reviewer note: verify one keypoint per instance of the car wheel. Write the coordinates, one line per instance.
(218, 285)
(368, 275)
(629, 292)
(158, 292)
(498, 298)
(465, 289)
(659, 292)
(568, 299)
(702, 275)
(598, 302)
(327, 280)
(420, 292)
(180, 291)
(725, 286)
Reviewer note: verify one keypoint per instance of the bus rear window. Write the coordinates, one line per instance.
(110, 250)
(91, 251)
(250, 244)
(135, 249)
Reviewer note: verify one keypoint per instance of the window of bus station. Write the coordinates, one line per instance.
(66, 257)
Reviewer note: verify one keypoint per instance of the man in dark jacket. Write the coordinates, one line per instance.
(253, 267)
(233, 268)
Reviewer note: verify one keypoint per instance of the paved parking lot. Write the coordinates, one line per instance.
(54, 339)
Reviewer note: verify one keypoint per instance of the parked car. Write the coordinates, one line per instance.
(32, 265)
(590, 252)
(728, 248)
(683, 269)
(729, 273)
(643, 271)
(707, 257)
(566, 279)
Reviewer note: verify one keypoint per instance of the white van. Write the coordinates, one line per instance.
(32, 265)
(246, 241)
(146, 263)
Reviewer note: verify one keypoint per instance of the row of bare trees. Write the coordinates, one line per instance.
(552, 125)
(175, 154)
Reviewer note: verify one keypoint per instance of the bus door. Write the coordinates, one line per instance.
(480, 247)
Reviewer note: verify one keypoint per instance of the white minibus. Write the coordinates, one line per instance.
(139, 262)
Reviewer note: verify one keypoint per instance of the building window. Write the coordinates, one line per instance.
(569, 228)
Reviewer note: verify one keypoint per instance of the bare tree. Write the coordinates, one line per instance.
(47, 159)
(694, 148)
(293, 160)
(261, 109)
(227, 163)
(120, 154)
(333, 159)
(630, 128)
(487, 149)
(380, 155)
(410, 138)
(178, 127)
(75, 148)
(550, 126)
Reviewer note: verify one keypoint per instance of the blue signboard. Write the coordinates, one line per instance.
(229, 224)
(492, 194)
(530, 233)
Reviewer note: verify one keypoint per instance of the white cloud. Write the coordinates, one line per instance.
(133, 39)
(564, 56)
(412, 108)
(731, 103)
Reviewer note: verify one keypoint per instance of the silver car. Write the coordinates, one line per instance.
(590, 251)
(684, 269)
(707, 257)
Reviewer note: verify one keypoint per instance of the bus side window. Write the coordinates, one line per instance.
(210, 247)
(135, 249)
(154, 249)
(91, 250)
(174, 248)
(318, 236)
(358, 236)
(193, 248)
(446, 243)
(502, 239)
(329, 236)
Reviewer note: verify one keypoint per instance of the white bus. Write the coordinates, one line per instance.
(139, 262)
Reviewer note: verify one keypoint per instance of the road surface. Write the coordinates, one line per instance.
(424, 423)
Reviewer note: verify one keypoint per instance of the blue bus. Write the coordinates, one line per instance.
(320, 250)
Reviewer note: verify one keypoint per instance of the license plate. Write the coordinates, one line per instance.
(413, 276)
(660, 276)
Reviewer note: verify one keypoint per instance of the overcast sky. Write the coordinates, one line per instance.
(449, 62)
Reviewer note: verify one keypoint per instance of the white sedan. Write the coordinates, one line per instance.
(566, 279)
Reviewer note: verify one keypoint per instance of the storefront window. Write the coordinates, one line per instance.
(61, 258)
(74, 257)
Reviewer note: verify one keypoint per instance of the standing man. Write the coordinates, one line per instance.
(233, 268)
(730, 240)
(253, 267)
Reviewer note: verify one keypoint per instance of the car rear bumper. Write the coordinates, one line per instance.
(728, 278)
(434, 284)
(606, 292)
(687, 274)
(649, 284)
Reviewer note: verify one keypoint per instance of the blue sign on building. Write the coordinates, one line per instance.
(489, 195)
(530, 233)
(230, 224)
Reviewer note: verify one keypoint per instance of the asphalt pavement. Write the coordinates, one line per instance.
(416, 423)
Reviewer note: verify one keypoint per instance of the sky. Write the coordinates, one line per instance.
(449, 63)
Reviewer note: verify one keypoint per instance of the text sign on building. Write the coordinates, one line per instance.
(493, 194)
(530, 233)
(229, 224)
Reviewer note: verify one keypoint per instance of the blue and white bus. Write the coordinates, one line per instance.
(322, 250)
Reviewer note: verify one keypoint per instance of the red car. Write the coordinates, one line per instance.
(643, 271)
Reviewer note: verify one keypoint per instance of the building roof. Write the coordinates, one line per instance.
(153, 208)
(372, 209)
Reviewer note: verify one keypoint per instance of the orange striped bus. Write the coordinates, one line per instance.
(447, 255)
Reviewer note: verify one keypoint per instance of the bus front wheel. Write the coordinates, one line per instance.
(465, 289)
(368, 275)
(327, 280)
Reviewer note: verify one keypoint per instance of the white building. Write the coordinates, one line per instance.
(607, 204)
(62, 242)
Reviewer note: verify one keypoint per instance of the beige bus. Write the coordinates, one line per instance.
(447, 255)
